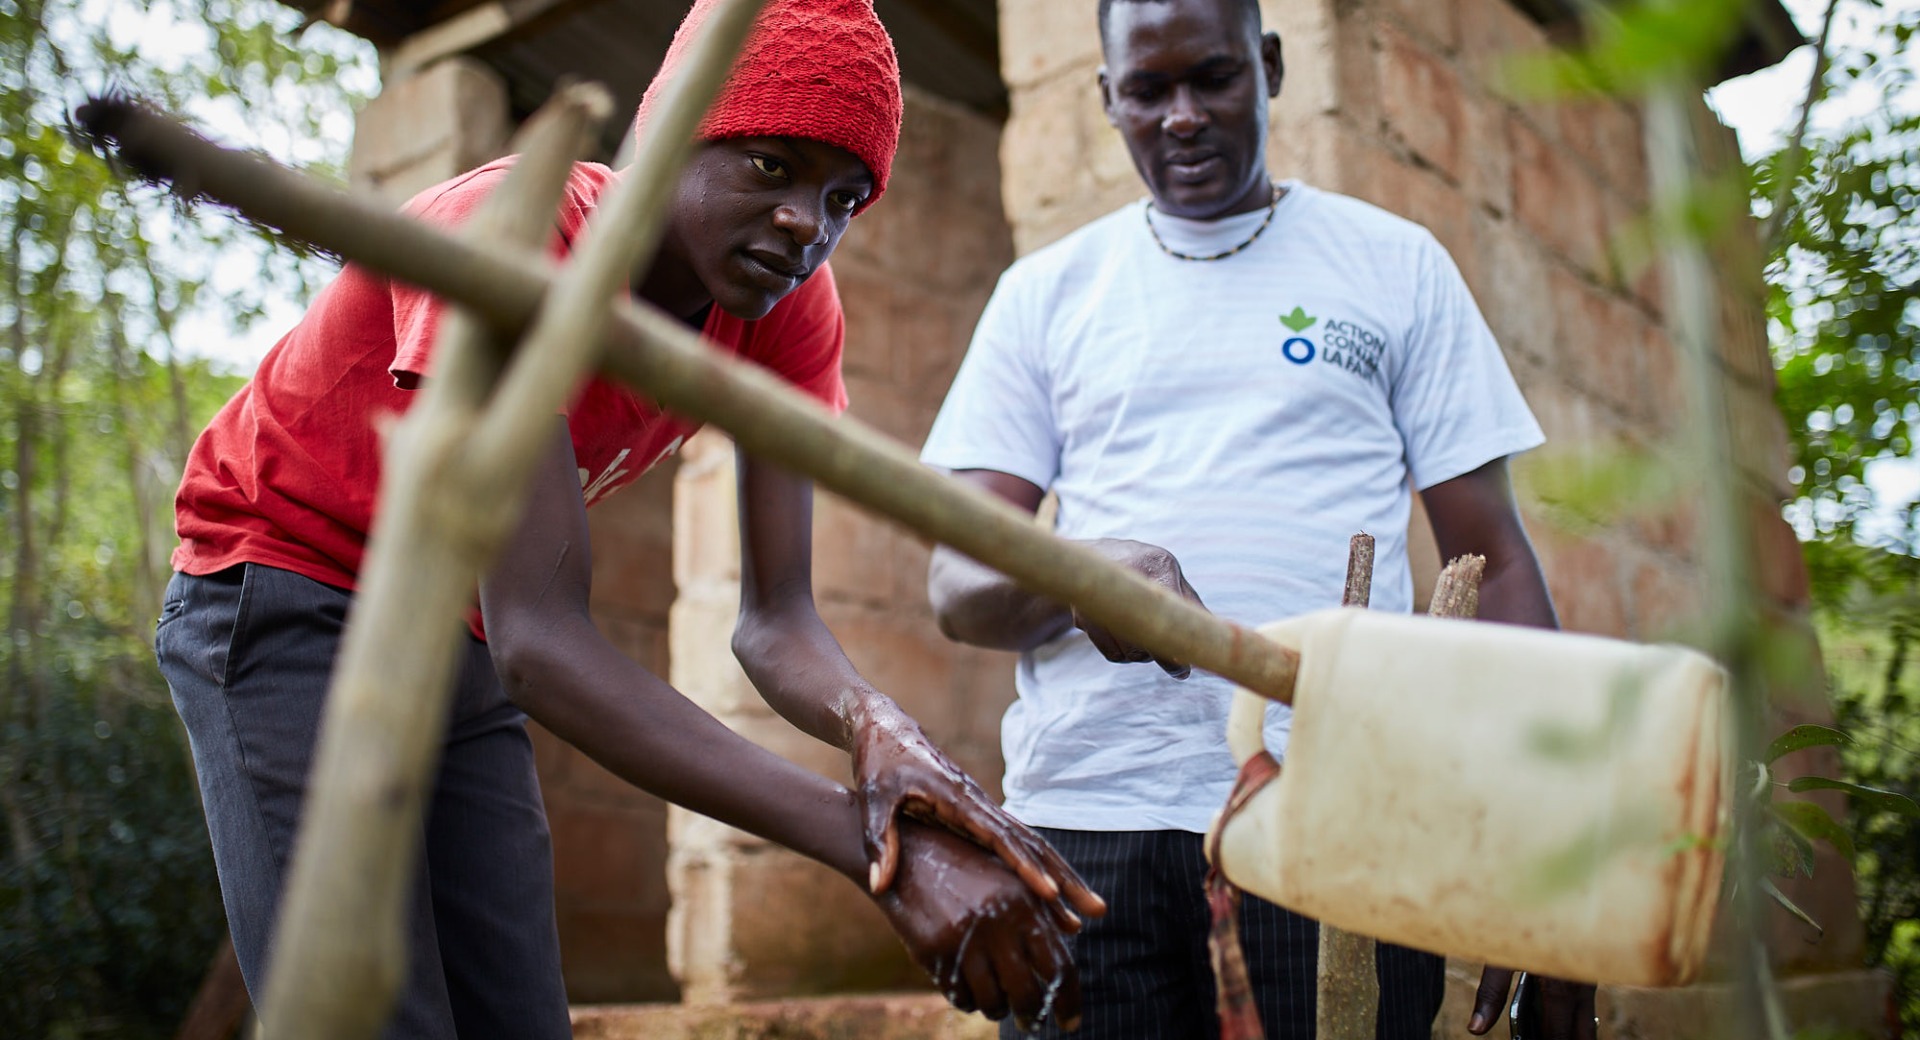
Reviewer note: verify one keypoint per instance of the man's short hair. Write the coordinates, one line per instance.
(1249, 8)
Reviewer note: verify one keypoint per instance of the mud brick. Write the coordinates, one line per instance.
(1039, 41)
(1669, 600)
(610, 955)
(884, 406)
(1491, 33)
(703, 665)
(872, 300)
(1780, 568)
(803, 929)
(706, 544)
(1421, 96)
(851, 561)
(1671, 529)
(911, 558)
(1358, 60)
(1046, 134)
(1584, 575)
(1557, 200)
(1487, 169)
(632, 537)
(1664, 376)
(1435, 21)
(1601, 342)
(1515, 292)
(428, 127)
(603, 854)
(1760, 444)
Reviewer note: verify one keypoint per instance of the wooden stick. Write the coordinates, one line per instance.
(1457, 592)
(1347, 1000)
(654, 352)
(339, 951)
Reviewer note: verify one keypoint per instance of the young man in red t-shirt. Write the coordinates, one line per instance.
(279, 495)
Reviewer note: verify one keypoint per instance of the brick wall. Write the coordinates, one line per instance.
(751, 920)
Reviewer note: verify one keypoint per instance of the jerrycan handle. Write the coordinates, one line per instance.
(1247, 725)
(1247, 715)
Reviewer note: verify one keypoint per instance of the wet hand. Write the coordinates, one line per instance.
(898, 771)
(1565, 1008)
(1157, 565)
(989, 942)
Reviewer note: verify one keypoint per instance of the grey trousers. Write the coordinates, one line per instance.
(247, 653)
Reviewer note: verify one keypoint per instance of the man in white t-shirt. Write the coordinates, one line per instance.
(1220, 385)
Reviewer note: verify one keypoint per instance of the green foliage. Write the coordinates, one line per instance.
(108, 910)
(108, 928)
(1845, 295)
(1800, 738)
(1877, 700)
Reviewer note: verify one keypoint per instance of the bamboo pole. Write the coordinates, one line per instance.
(655, 353)
(339, 951)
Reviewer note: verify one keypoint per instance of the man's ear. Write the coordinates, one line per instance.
(1106, 96)
(1270, 63)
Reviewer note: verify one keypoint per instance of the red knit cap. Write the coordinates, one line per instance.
(820, 69)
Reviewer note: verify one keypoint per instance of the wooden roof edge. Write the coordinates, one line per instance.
(1769, 37)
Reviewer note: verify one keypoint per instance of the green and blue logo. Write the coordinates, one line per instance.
(1344, 343)
(1298, 348)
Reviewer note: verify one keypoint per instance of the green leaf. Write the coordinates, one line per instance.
(1873, 797)
(1814, 823)
(1801, 737)
(1781, 898)
(1792, 852)
(1299, 320)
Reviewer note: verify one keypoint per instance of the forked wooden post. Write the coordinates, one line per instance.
(1347, 989)
(474, 437)
(1348, 1003)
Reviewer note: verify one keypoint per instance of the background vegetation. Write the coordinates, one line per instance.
(109, 298)
(1844, 270)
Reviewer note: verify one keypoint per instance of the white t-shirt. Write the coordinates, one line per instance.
(1249, 415)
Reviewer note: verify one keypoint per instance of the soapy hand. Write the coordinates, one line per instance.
(1565, 1009)
(1159, 566)
(898, 770)
(988, 941)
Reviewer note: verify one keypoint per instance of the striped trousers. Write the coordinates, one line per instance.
(1144, 970)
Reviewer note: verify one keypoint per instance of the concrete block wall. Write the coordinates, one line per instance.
(441, 121)
(751, 920)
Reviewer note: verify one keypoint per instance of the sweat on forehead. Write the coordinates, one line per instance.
(1250, 9)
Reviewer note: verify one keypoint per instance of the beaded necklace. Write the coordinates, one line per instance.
(1223, 254)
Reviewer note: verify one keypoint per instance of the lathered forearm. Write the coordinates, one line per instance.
(801, 671)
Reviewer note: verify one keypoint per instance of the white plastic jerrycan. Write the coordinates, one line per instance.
(1525, 798)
